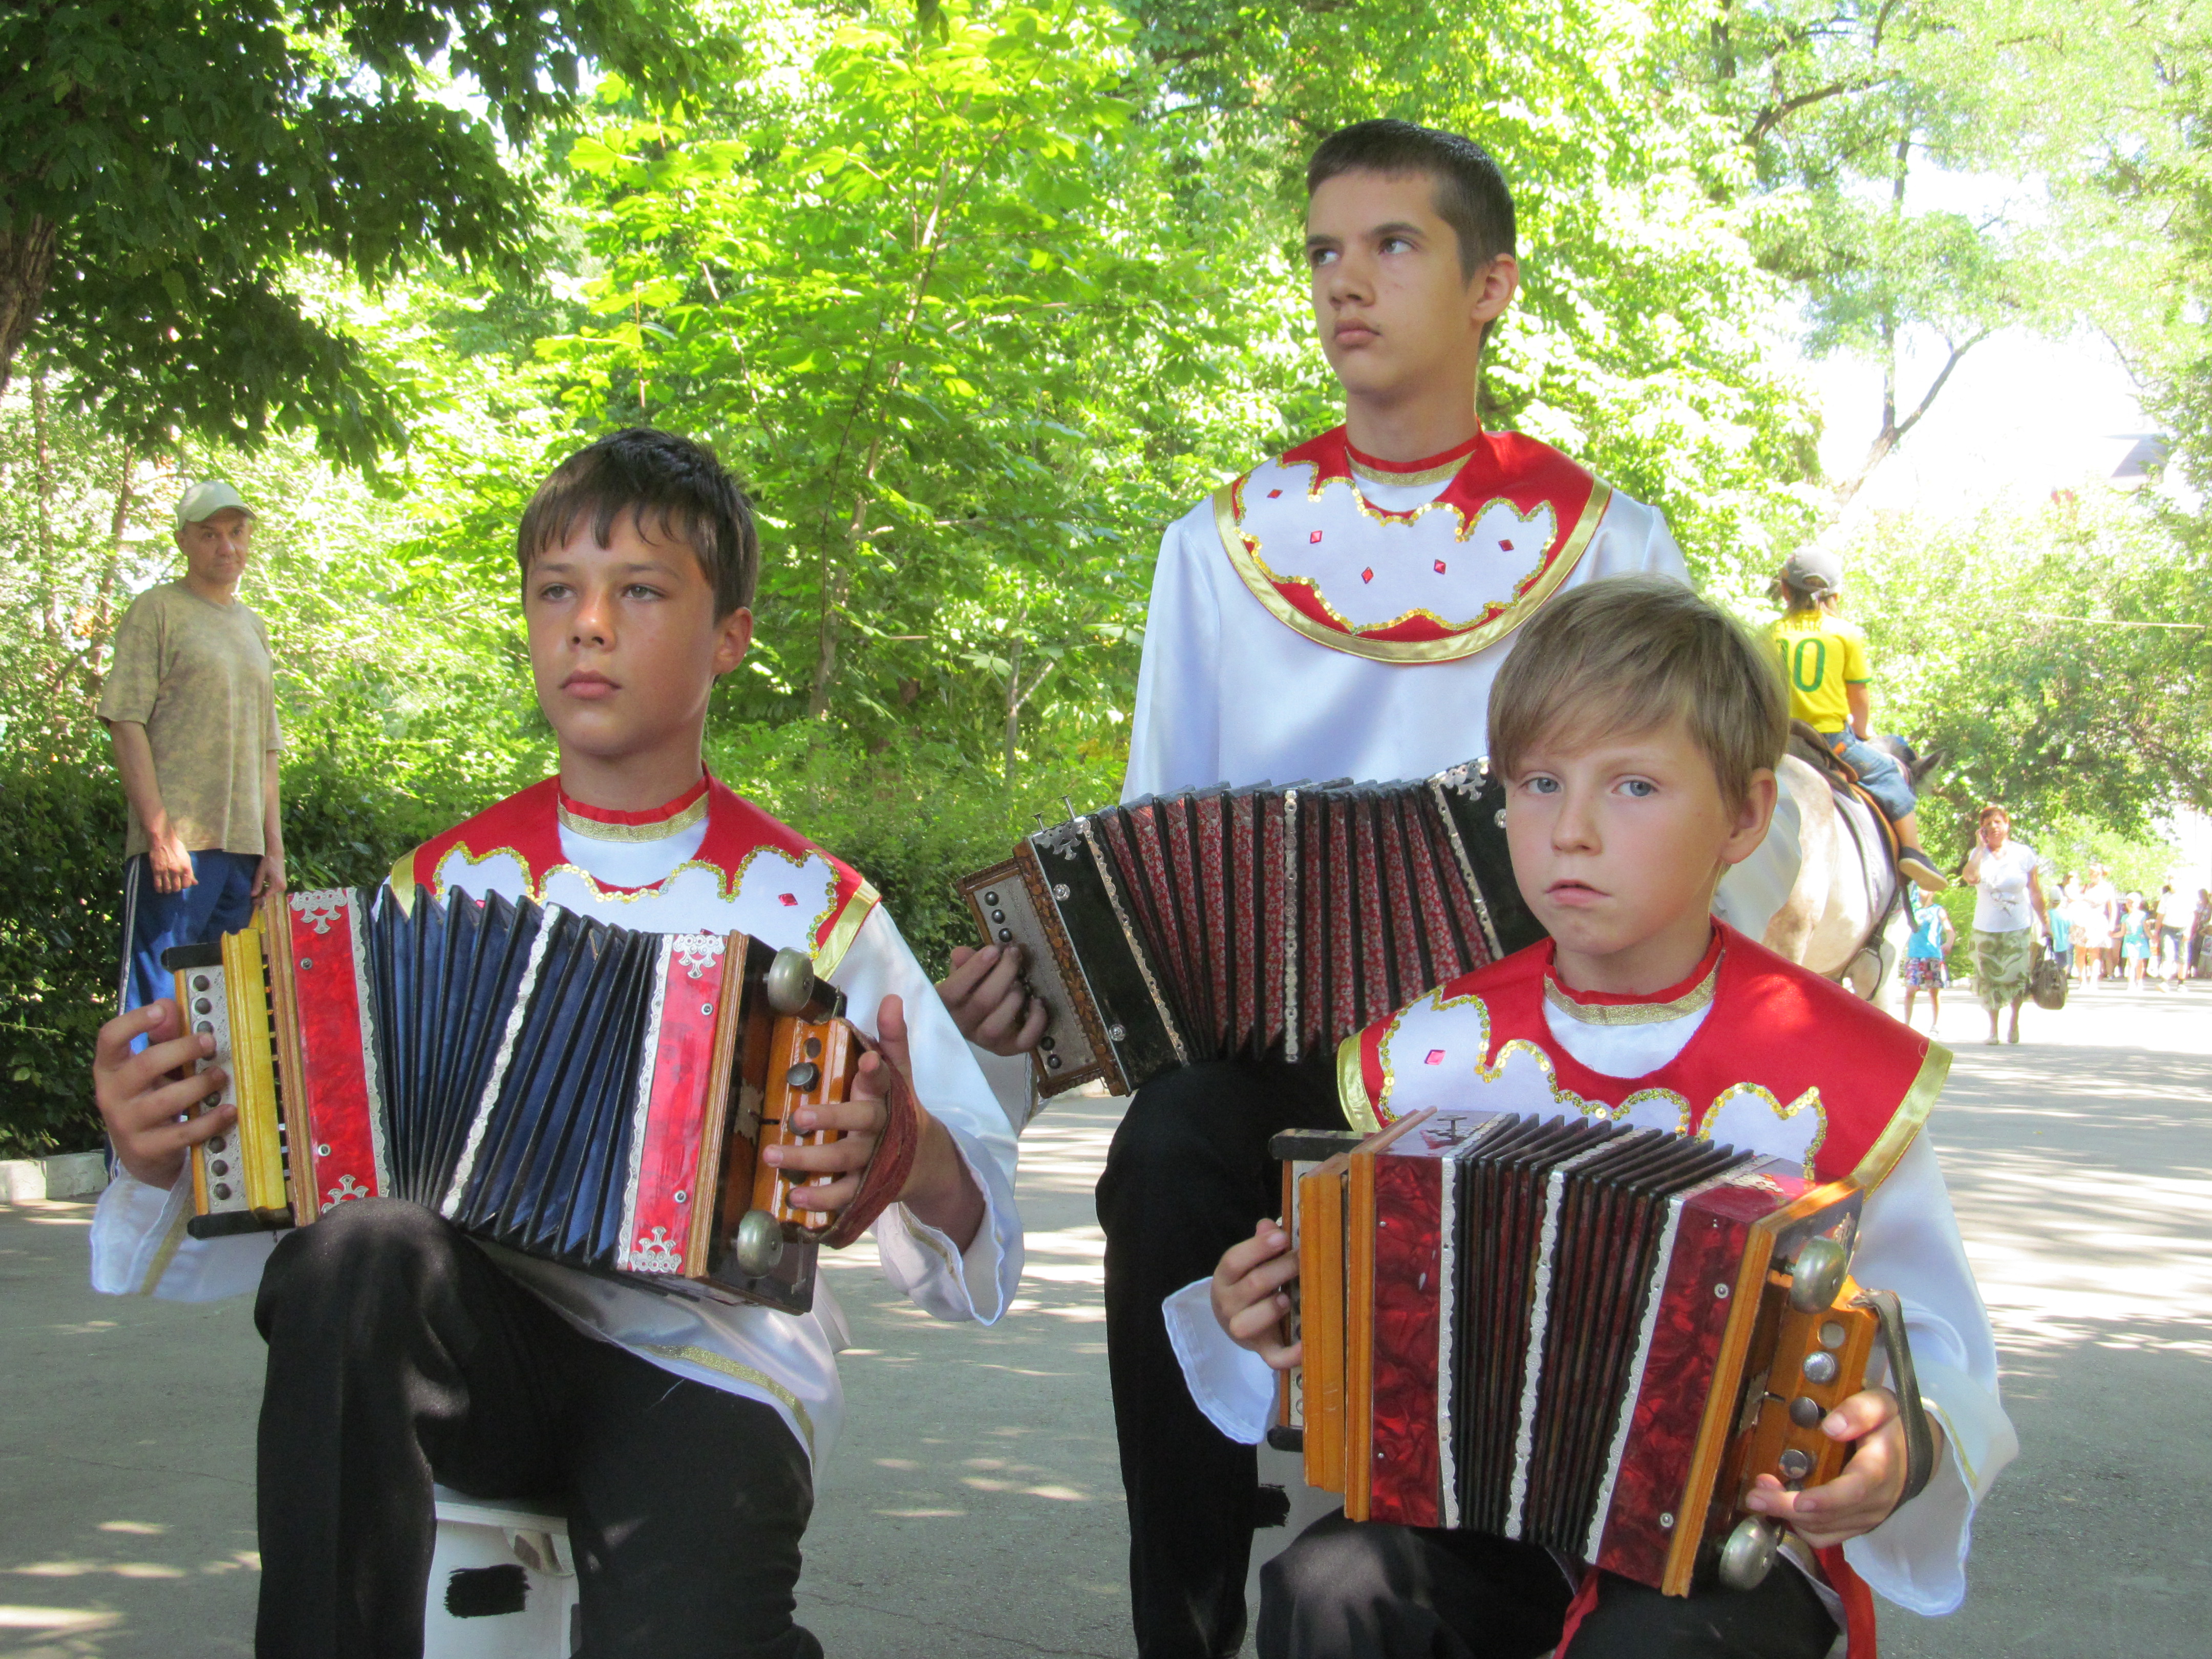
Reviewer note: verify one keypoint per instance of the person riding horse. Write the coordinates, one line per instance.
(1824, 663)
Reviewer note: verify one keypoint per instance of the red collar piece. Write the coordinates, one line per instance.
(1431, 583)
(1677, 1001)
(604, 824)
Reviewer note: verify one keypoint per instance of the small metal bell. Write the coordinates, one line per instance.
(759, 1243)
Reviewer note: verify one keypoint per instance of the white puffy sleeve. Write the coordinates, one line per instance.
(1174, 732)
(925, 1263)
(1232, 1385)
(140, 1248)
(1909, 1243)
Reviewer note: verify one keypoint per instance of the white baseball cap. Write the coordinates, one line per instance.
(204, 500)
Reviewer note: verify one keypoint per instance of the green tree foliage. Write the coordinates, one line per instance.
(166, 165)
(2064, 680)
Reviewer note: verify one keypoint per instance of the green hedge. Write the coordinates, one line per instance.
(911, 821)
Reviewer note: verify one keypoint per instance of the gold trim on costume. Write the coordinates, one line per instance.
(166, 1252)
(1352, 1088)
(1698, 996)
(402, 881)
(660, 830)
(1243, 553)
(692, 1354)
(845, 929)
(1434, 474)
(1905, 1122)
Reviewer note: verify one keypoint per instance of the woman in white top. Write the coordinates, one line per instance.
(2007, 916)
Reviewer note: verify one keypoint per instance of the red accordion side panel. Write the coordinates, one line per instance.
(1405, 1480)
(664, 1176)
(344, 1158)
(1649, 1505)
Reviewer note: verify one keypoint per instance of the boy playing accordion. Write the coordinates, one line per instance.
(1637, 729)
(679, 1435)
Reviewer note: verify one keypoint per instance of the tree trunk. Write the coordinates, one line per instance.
(103, 617)
(26, 266)
(42, 449)
(1013, 708)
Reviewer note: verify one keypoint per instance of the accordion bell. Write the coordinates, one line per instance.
(580, 1093)
(1244, 923)
(1588, 1337)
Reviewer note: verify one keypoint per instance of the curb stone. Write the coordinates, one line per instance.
(66, 1174)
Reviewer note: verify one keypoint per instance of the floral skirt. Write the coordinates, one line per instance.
(2001, 965)
(1925, 972)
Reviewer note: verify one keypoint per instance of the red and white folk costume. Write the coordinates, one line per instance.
(1329, 615)
(1749, 1050)
(707, 862)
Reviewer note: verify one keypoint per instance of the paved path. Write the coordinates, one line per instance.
(973, 1507)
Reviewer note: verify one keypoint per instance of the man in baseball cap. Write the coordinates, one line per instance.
(190, 703)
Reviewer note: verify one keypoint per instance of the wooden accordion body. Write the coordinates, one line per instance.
(1241, 922)
(1566, 1332)
(578, 1092)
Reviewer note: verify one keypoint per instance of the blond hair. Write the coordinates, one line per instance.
(1627, 654)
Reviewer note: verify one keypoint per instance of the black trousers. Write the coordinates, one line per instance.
(400, 1354)
(1189, 1175)
(1353, 1589)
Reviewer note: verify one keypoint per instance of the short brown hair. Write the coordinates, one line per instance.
(1629, 653)
(675, 488)
(1472, 195)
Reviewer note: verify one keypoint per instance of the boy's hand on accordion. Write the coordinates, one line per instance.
(940, 1190)
(1249, 1300)
(143, 1097)
(984, 995)
(1866, 1493)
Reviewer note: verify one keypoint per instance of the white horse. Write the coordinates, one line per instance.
(1822, 889)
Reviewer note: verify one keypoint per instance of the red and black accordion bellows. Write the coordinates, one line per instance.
(1575, 1334)
(1243, 922)
(581, 1093)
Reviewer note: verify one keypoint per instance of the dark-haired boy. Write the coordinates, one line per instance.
(678, 1435)
(1637, 729)
(1339, 612)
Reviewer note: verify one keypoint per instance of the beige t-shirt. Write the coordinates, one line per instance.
(199, 677)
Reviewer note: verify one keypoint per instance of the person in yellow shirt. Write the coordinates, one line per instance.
(1824, 663)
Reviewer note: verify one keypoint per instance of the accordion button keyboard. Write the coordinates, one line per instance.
(804, 1076)
(1819, 1368)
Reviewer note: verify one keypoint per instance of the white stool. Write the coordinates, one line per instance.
(502, 1581)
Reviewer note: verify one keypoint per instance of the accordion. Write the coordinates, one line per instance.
(580, 1093)
(1590, 1338)
(1240, 922)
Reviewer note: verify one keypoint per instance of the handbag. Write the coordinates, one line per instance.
(2046, 980)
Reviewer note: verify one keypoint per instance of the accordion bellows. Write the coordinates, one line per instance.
(1566, 1332)
(581, 1093)
(1240, 922)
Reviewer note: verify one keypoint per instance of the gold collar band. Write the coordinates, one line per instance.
(1691, 1001)
(659, 829)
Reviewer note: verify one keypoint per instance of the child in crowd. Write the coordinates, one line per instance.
(1824, 662)
(2135, 940)
(1637, 730)
(1924, 955)
(680, 1436)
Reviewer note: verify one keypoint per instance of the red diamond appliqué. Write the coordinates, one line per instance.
(790, 899)
(1505, 547)
(1367, 574)
(1440, 567)
(1315, 536)
(1436, 1057)
(1272, 494)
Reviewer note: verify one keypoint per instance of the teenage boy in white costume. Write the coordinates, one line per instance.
(680, 1435)
(1339, 612)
